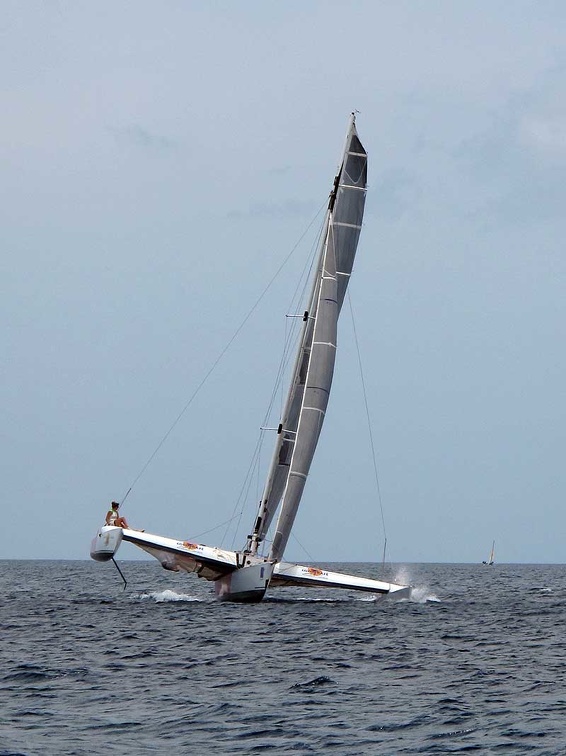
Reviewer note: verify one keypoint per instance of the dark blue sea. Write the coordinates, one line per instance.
(475, 663)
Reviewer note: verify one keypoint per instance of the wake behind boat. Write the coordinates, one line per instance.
(245, 575)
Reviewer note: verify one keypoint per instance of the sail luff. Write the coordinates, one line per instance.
(315, 400)
(282, 454)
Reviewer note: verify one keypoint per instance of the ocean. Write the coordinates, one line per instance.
(474, 663)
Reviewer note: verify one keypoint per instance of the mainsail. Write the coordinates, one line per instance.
(309, 391)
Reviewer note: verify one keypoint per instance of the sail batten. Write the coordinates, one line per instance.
(347, 225)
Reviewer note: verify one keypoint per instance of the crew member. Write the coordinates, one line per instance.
(113, 517)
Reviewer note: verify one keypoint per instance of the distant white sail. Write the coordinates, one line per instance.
(491, 558)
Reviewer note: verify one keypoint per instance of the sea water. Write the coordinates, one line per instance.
(474, 663)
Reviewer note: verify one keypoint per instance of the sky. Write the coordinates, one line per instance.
(161, 161)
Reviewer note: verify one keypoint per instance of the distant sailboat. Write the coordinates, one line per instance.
(245, 575)
(491, 558)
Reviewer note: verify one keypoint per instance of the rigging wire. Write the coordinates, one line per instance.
(289, 340)
(291, 332)
(211, 530)
(368, 418)
(220, 356)
(244, 490)
(304, 548)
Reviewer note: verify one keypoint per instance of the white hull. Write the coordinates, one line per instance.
(246, 585)
(105, 543)
(286, 574)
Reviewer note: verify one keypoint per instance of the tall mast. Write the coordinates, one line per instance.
(308, 394)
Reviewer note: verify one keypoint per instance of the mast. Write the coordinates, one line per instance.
(309, 391)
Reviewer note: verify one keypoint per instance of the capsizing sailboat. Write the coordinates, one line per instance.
(245, 575)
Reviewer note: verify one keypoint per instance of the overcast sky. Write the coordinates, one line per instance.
(159, 162)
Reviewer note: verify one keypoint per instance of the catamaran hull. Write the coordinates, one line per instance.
(105, 543)
(246, 585)
(293, 575)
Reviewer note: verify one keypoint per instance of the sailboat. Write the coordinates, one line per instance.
(491, 558)
(245, 575)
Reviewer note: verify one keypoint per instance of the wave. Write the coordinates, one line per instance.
(164, 596)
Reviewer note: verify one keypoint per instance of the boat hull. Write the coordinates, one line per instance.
(246, 585)
(105, 543)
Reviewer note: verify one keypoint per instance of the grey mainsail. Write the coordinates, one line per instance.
(308, 395)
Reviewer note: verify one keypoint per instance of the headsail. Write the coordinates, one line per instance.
(309, 391)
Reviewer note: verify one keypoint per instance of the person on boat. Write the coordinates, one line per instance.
(113, 517)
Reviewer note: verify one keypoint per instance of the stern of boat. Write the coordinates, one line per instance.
(245, 585)
(399, 592)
